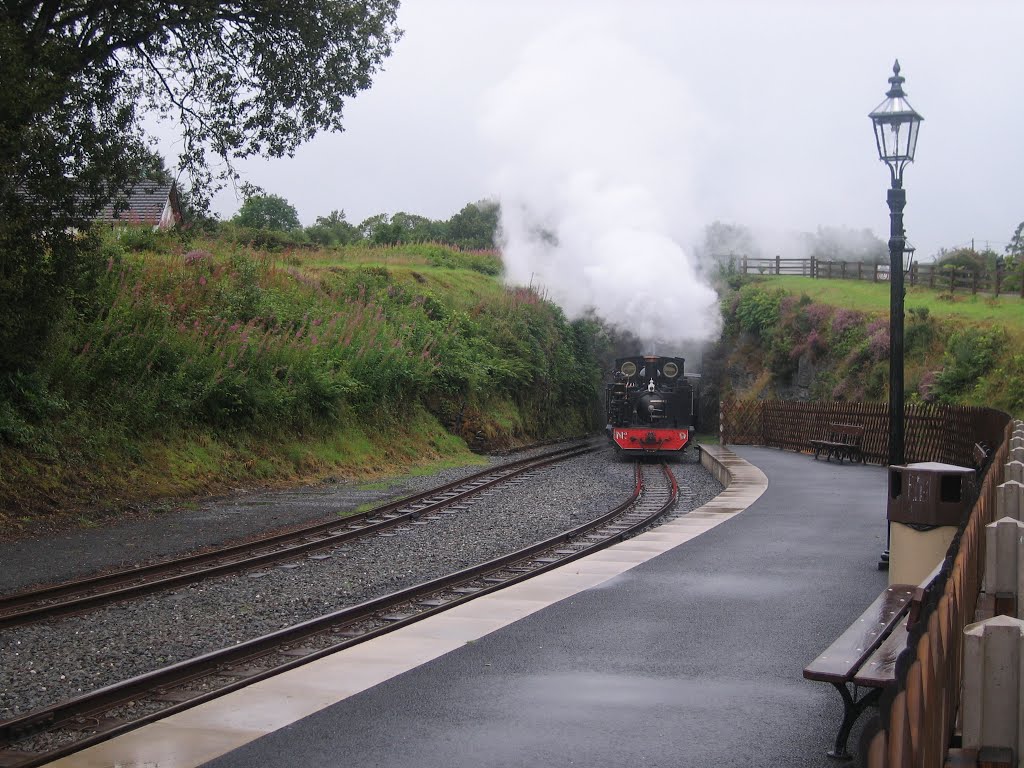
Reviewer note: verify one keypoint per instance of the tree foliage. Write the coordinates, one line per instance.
(1015, 247)
(476, 225)
(380, 230)
(267, 212)
(418, 229)
(970, 354)
(967, 258)
(722, 240)
(333, 229)
(845, 244)
(238, 78)
(757, 310)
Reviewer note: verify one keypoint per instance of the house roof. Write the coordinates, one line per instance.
(145, 204)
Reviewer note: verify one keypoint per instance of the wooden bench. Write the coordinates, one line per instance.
(864, 656)
(842, 441)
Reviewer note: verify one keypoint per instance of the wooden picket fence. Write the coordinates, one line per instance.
(945, 433)
(941, 277)
(917, 716)
(918, 713)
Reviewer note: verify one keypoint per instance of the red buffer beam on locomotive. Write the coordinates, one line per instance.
(651, 404)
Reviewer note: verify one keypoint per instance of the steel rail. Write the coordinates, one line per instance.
(89, 716)
(86, 594)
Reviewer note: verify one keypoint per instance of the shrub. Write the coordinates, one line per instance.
(818, 315)
(926, 386)
(29, 401)
(971, 353)
(138, 238)
(486, 262)
(241, 294)
(878, 340)
(814, 344)
(264, 239)
(42, 281)
(199, 258)
(921, 332)
(845, 320)
(876, 382)
(758, 309)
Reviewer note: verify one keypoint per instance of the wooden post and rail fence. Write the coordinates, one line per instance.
(918, 713)
(936, 276)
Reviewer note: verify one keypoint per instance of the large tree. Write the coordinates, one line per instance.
(476, 225)
(1015, 247)
(418, 229)
(267, 212)
(239, 78)
(845, 244)
(78, 78)
(332, 230)
(723, 241)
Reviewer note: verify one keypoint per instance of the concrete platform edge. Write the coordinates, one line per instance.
(203, 733)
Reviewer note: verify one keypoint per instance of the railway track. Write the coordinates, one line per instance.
(47, 734)
(90, 593)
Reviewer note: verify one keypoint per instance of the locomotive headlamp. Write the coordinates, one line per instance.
(628, 368)
(670, 370)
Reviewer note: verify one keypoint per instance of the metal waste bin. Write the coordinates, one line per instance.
(927, 503)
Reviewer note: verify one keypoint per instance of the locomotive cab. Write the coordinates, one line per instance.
(651, 404)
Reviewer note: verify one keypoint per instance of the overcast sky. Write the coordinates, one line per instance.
(770, 101)
(626, 128)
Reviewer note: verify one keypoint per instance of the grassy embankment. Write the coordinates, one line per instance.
(1007, 311)
(958, 348)
(201, 368)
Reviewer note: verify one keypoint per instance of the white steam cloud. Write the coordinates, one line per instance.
(593, 140)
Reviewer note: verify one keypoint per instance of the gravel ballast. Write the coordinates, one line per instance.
(48, 662)
(174, 530)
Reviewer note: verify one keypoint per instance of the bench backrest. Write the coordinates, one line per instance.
(846, 430)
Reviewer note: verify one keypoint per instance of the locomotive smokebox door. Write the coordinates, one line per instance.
(650, 404)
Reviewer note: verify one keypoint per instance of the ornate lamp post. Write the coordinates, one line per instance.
(896, 126)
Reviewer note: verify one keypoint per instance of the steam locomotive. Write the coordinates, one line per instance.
(651, 405)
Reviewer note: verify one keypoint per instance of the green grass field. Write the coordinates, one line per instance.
(1006, 311)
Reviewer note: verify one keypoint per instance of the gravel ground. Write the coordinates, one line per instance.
(176, 530)
(44, 663)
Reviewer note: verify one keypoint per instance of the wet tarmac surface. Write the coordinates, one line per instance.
(693, 658)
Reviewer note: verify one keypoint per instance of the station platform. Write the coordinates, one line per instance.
(683, 646)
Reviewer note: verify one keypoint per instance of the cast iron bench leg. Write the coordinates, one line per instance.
(852, 709)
